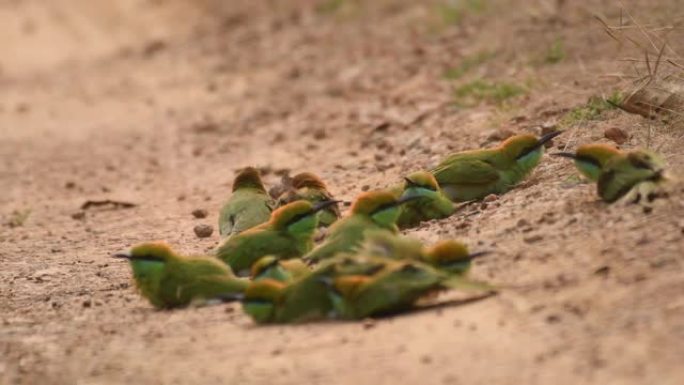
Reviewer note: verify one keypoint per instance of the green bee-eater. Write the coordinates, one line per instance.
(639, 174)
(310, 187)
(591, 158)
(170, 280)
(374, 210)
(248, 206)
(632, 175)
(394, 287)
(304, 299)
(431, 202)
(449, 255)
(472, 175)
(288, 234)
(283, 270)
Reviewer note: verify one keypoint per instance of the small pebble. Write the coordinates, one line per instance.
(199, 213)
(203, 231)
(616, 135)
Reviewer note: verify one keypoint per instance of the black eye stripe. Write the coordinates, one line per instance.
(588, 159)
(528, 150)
(147, 257)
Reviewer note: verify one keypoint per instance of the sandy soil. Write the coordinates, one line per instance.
(158, 102)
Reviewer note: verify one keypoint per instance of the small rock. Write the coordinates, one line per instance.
(180, 198)
(490, 198)
(426, 359)
(79, 215)
(153, 47)
(500, 135)
(203, 231)
(206, 125)
(552, 318)
(199, 213)
(533, 238)
(70, 185)
(319, 134)
(602, 271)
(522, 223)
(86, 303)
(616, 135)
(368, 323)
(547, 128)
(365, 187)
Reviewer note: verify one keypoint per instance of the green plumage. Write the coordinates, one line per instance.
(288, 234)
(309, 187)
(472, 175)
(168, 280)
(248, 206)
(638, 171)
(432, 203)
(355, 286)
(375, 210)
(270, 267)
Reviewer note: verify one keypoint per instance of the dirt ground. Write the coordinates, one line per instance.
(158, 102)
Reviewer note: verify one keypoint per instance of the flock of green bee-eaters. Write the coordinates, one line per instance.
(363, 267)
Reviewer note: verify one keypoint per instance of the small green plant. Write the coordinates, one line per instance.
(330, 6)
(468, 64)
(18, 217)
(479, 91)
(592, 110)
(453, 12)
(555, 53)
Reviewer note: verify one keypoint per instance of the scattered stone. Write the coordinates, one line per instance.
(86, 303)
(205, 126)
(368, 323)
(365, 187)
(79, 215)
(203, 231)
(154, 47)
(533, 238)
(547, 128)
(616, 135)
(522, 223)
(499, 135)
(553, 318)
(320, 134)
(426, 359)
(490, 198)
(200, 213)
(70, 185)
(180, 198)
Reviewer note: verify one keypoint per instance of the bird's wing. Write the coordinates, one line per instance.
(615, 182)
(465, 171)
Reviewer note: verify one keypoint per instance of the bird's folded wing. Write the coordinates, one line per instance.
(465, 171)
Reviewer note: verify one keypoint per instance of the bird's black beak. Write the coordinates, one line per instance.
(122, 254)
(548, 137)
(323, 205)
(565, 155)
(478, 254)
(409, 182)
